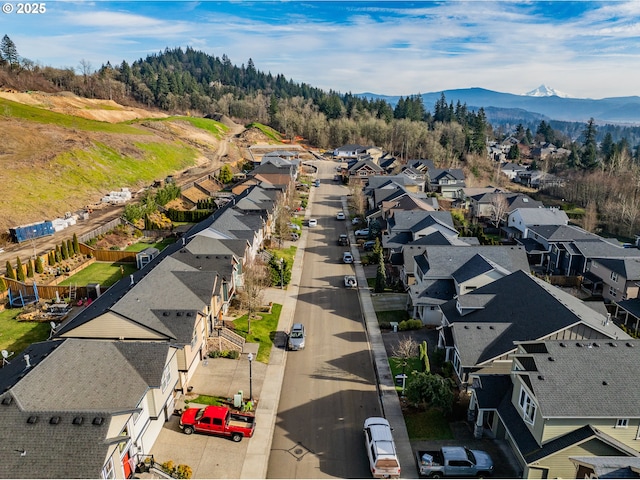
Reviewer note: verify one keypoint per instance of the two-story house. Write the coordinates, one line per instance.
(480, 328)
(442, 272)
(447, 182)
(82, 408)
(562, 400)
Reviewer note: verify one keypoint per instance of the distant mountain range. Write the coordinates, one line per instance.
(543, 103)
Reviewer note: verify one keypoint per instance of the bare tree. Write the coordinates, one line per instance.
(256, 280)
(357, 199)
(405, 349)
(281, 217)
(499, 207)
(590, 219)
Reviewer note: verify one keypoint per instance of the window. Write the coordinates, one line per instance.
(166, 377)
(622, 423)
(613, 292)
(527, 406)
(614, 276)
(107, 470)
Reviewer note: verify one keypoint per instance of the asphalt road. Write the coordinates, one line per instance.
(329, 388)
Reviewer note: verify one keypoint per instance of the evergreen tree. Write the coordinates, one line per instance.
(513, 153)
(70, 249)
(225, 175)
(30, 268)
(51, 258)
(64, 253)
(76, 244)
(19, 270)
(381, 274)
(58, 254)
(3, 285)
(10, 273)
(9, 52)
(39, 265)
(589, 153)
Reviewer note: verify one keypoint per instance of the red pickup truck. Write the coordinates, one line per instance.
(216, 420)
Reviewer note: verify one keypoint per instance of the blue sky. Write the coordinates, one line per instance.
(585, 49)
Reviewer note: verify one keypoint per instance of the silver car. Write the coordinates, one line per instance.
(297, 337)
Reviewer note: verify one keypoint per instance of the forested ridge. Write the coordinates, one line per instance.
(601, 169)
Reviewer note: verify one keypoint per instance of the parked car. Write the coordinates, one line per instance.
(317, 182)
(341, 216)
(356, 221)
(293, 226)
(343, 239)
(369, 245)
(297, 337)
(313, 222)
(217, 420)
(350, 281)
(454, 462)
(364, 232)
(347, 257)
(381, 449)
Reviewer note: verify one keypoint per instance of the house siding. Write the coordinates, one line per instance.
(112, 326)
(557, 427)
(559, 465)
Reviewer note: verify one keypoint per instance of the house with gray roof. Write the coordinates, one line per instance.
(408, 226)
(567, 249)
(511, 170)
(183, 314)
(606, 467)
(448, 182)
(360, 172)
(349, 151)
(480, 327)
(82, 408)
(564, 403)
(616, 279)
(520, 219)
(442, 272)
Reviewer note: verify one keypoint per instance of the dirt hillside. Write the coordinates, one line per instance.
(52, 164)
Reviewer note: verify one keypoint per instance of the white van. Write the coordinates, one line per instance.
(381, 449)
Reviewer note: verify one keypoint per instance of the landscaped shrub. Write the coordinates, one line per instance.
(19, 270)
(410, 325)
(30, 269)
(70, 249)
(233, 354)
(385, 325)
(10, 272)
(39, 266)
(63, 251)
(76, 244)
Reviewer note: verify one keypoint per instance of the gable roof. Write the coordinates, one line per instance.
(602, 366)
(477, 265)
(74, 376)
(518, 307)
(442, 261)
(542, 216)
(628, 268)
(562, 233)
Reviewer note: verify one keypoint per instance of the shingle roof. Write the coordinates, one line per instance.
(62, 450)
(603, 368)
(543, 216)
(612, 467)
(74, 378)
(444, 260)
(523, 308)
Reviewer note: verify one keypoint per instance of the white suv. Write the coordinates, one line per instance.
(381, 449)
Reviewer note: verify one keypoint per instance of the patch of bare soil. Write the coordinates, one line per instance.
(70, 104)
(254, 136)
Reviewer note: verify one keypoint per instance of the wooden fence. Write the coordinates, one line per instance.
(100, 230)
(111, 256)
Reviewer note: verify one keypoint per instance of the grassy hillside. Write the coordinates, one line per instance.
(54, 162)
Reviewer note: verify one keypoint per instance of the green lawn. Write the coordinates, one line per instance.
(262, 331)
(139, 246)
(427, 425)
(392, 316)
(106, 274)
(17, 336)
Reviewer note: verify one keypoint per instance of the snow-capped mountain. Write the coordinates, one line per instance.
(544, 91)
